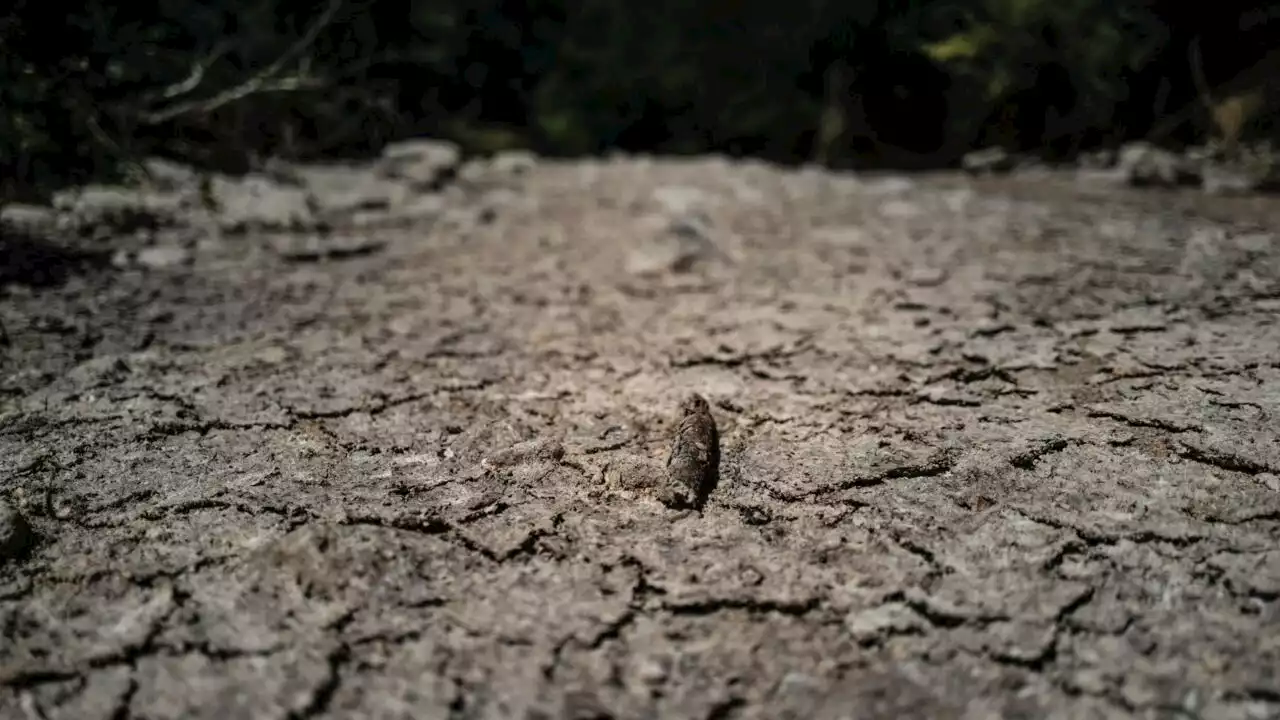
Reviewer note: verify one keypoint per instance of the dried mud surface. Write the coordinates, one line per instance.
(994, 448)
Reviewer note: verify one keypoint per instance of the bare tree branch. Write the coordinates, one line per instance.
(197, 73)
(264, 81)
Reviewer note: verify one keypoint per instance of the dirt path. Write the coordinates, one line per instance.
(996, 449)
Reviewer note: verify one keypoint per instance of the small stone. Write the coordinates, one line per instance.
(421, 163)
(684, 243)
(1142, 164)
(256, 202)
(475, 172)
(654, 258)
(311, 248)
(540, 450)
(651, 672)
(988, 161)
(867, 625)
(1220, 180)
(161, 257)
(28, 217)
(633, 472)
(168, 175)
(514, 162)
(927, 277)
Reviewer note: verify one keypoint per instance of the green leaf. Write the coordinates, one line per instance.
(962, 46)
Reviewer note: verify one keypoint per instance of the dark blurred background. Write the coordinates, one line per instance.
(88, 88)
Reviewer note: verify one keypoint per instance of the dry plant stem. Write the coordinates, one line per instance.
(264, 81)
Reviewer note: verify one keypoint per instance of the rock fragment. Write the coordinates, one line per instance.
(332, 246)
(160, 257)
(1142, 164)
(423, 164)
(121, 209)
(514, 162)
(634, 472)
(684, 243)
(169, 176)
(539, 450)
(28, 218)
(255, 202)
(992, 160)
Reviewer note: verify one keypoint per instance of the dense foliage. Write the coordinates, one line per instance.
(858, 82)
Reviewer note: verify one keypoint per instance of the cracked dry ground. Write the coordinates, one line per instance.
(989, 450)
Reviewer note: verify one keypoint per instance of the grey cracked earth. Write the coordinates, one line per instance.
(380, 442)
